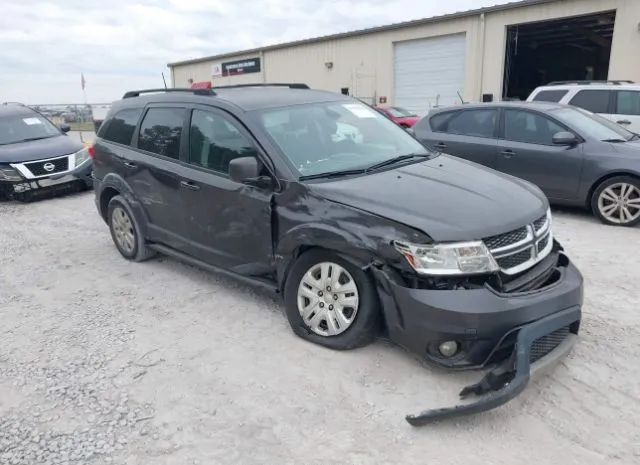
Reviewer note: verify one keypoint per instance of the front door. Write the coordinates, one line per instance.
(527, 151)
(627, 109)
(228, 223)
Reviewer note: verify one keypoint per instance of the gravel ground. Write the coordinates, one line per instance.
(106, 361)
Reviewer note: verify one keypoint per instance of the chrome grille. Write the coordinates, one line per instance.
(503, 240)
(545, 344)
(45, 168)
(519, 249)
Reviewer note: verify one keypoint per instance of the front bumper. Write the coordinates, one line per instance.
(56, 183)
(492, 328)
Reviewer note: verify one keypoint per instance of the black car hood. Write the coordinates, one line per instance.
(38, 149)
(448, 198)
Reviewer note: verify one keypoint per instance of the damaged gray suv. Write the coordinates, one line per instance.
(363, 230)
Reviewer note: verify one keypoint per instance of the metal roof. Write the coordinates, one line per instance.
(371, 30)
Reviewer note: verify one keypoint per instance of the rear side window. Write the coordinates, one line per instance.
(121, 127)
(160, 131)
(523, 126)
(595, 101)
(477, 123)
(550, 95)
(628, 102)
(214, 142)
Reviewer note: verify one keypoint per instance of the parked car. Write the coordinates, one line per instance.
(618, 101)
(360, 231)
(575, 157)
(400, 116)
(36, 157)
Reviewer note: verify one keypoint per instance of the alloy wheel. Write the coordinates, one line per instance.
(123, 230)
(620, 203)
(328, 299)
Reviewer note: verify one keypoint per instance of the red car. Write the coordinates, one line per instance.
(400, 116)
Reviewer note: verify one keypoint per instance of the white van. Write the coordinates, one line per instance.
(617, 101)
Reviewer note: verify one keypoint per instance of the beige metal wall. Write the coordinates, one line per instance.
(364, 63)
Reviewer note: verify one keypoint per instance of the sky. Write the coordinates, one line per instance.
(121, 45)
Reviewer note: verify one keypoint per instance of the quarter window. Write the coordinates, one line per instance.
(214, 142)
(595, 101)
(524, 126)
(628, 102)
(160, 131)
(121, 127)
(478, 123)
(550, 95)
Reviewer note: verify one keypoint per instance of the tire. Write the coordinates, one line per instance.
(364, 319)
(611, 207)
(126, 232)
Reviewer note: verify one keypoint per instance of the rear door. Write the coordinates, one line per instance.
(469, 134)
(152, 171)
(627, 109)
(599, 101)
(228, 223)
(527, 151)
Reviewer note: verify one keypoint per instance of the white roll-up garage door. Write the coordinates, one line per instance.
(429, 72)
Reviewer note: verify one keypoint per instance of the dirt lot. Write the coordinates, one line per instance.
(106, 361)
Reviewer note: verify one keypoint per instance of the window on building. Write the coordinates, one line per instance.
(160, 131)
(214, 142)
(550, 95)
(121, 127)
(595, 101)
(524, 126)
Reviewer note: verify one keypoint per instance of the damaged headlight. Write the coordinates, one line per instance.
(453, 258)
(9, 174)
(81, 156)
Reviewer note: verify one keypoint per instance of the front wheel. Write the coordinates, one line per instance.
(617, 201)
(331, 302)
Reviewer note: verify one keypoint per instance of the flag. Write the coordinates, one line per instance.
(82, 81)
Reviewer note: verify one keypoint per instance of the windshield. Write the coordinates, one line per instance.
(398, 112)
(25, 127)
(336, 136)
(596, 126)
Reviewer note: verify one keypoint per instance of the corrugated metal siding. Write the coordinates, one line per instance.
(429, 72)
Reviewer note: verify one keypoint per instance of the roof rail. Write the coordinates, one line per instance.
(616, 82)
(136, 93)
(290, 85)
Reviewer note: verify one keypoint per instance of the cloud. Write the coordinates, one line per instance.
(121, 45)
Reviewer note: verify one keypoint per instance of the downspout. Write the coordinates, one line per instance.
(264, 67)
(482, 48)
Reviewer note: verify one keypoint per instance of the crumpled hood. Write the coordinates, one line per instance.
(448, 198)
(38, 149)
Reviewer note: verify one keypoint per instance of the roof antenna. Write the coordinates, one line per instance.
(460, 97)
(163, 80)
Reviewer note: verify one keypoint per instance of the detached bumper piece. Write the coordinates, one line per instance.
(538, 345)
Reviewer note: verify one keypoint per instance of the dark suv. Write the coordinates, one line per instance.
(38, 158)
(359, 226)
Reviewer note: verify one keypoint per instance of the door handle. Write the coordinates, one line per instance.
(626, 122)
(507, 153)
(440, 146)
(189, 185)
(130, 164)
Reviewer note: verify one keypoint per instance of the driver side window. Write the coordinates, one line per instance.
(531, 128)
(214, 142)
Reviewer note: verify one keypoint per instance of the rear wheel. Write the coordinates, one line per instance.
(617, 201)
(126, 232)
(331, 302)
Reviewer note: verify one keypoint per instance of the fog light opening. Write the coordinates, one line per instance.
(448, 348)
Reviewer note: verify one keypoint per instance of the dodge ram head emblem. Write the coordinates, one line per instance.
(49, 167)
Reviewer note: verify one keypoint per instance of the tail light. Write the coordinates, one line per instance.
(92, 151)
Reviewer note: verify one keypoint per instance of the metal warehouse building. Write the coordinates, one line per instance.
(492, 53)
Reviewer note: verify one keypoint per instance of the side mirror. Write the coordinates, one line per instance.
(564, 138)
(64, 127)
(246, 170)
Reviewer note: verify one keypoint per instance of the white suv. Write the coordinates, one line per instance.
(617, 101)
